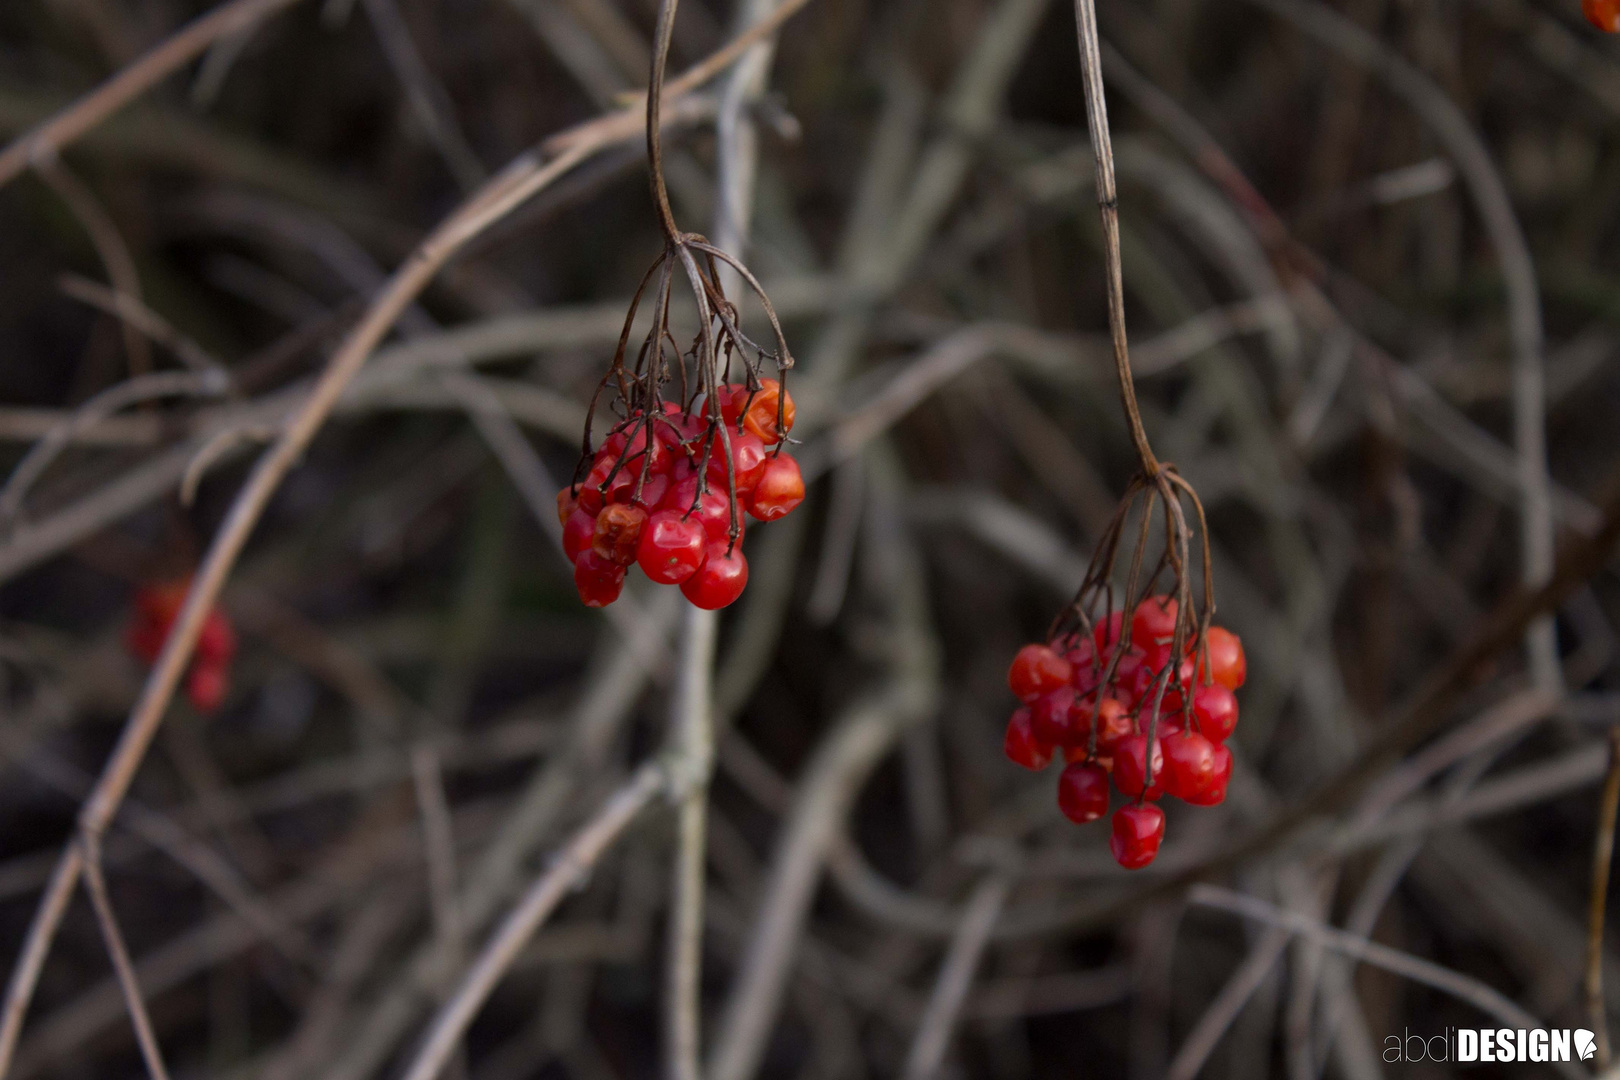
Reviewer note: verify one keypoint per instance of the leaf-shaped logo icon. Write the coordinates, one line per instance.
(1585, 1044)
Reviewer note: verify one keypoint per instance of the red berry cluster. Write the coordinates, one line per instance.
(650, 500)
(1104, 722)
(156, 607)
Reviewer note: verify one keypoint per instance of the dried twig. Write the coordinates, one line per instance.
(1602, 855)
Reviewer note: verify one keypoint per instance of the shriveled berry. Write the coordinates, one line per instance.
(1189, 764)
(206, 686)
(578, 532)
(1227, 664)
(1216, 710)
(720, 579)
(779, 490)
(671, 548)
(1050, 717)
(599, 580)
(1603, 14)
(1083, 793)
(1131, 767)
(1153, 624)
(1021, 745)
(1137, 833)
(1037, 670)
(1215, 793)
(761, 416)
(618, 531)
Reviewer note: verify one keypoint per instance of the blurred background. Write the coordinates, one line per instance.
(1372, 268)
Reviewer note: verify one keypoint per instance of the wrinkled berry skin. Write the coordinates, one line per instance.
(1137, 833)
(1037, 670)
(1021, 745)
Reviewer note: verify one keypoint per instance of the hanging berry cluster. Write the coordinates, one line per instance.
(156, 607)
(669, 486)
(664, 489)
(1146, 699)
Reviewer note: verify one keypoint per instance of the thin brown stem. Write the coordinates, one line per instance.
(655, 93)
(1602, 857)
(1085, 14)
(96, 885)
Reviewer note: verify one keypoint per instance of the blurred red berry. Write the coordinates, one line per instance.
(1049, 717)
(1021, 745)
(1154, 623)
(206, 686)
(1113, 723)
(1603, 14)
(1215, 793)
(1037, 670)
(1107, 633)
(1137, 833)
(567, 503)
(598, 580)
(1083, 793)
(578, 531)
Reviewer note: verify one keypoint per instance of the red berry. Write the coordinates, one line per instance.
(1083, 793)
(578, 533)
(652, 491)
(598, 579)
(216, 643)
(1215, 793)
(1131, 765)
(1216, 710)
(1021, 745)
(760, 419)
(206, 686)
(1154, 623)
(1049, 717)
(1133, 677)
(748, 461)
(1114, 724)
(1227, 664)
(672, 547)
(731, 397)
(1138, 832)
(1036, 670)
(567, 503)
(720, 579)
(1603, 14)
(780, 489)
(618, 531)
(1189, 764)
(713, 512)
(1107, 633)
(614, 445)
(592, 493)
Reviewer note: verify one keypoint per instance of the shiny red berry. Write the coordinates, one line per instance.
(1215, 793)
(720, 580)
(1049, 716)
(1216, 710)
(1037, 670)
(1083, 793)
(1189, 764)
(1154, 623)
(598, 580)
(779, 490)
(1227, 664)
(1022, 747)
(713, 512)
(1131, 767)
(1137, 833)
(748, 461)
(618, 531)
(671, 548)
